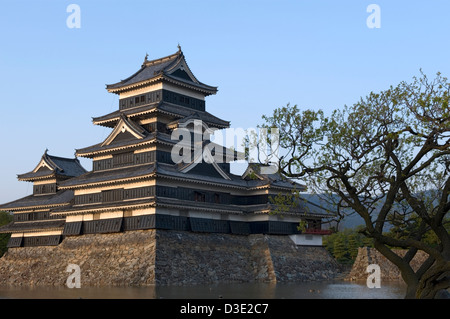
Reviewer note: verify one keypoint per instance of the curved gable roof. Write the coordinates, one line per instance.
(50, 166)
(172, 68)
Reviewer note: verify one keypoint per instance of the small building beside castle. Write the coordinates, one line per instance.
(135, 184)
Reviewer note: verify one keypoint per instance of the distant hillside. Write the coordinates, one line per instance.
(315, 203)
(352, 220)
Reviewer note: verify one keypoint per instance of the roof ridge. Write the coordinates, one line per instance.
(159, 70)
(161, 60)
(63, 158)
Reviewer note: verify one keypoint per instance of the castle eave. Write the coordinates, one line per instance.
(102, 207)
(41, 202)
(35, 226)
(110, 177)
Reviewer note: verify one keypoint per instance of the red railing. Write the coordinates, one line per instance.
(317, 231)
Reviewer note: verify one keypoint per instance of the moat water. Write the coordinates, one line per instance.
(304, 290)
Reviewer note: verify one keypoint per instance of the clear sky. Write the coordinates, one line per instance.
(261, 55)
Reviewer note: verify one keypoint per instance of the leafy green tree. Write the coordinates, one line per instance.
(5, 218)
(381, 158)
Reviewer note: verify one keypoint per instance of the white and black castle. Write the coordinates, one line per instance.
(134, 184)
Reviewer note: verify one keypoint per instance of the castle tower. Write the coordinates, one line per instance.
(33, 225)
(138, 182)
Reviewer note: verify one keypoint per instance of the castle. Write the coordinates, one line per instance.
(135, 183)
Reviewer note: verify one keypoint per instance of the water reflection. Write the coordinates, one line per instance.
(307, 290)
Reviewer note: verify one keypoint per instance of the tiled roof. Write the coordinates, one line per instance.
(161, 70)
(101, 207)
(33, 226)
(54, 166)
(109, 176)
(149, 69)
(60, 198)
(87, 151)
(175, 110)
(206, 206)
(171, 171)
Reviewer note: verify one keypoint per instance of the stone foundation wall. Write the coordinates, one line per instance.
(389, 271)
(146, 257)
(300, 263)
(106, 259)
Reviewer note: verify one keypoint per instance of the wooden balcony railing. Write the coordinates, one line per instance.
(317, 231)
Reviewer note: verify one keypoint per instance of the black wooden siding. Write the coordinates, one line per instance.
(273, 227)
(73, 228)
(44, 189)
(205, 225)
(182, 193)
(139, 222)
(183, 223)
(111, 225)
(130, 159)
(52, 240)
(139, 100)
(240, 228)
(115, 195)
(14, 242)
(156, 126)
(23, 217)
(172, 222)
(157, 96)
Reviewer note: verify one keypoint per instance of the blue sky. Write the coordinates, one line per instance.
(260, 54)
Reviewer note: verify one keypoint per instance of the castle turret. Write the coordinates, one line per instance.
(32, 223)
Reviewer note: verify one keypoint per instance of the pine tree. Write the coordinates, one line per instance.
(339, 248)
(353, 246)
(5, 218)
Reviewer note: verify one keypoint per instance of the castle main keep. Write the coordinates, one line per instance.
(137, 185)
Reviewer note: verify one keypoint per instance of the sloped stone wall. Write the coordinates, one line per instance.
(104, 259)
(147, 257)
(300, 263)
(389, 271)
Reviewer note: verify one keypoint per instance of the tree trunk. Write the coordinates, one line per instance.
(407, 273)
(435, 279)
(411, 290)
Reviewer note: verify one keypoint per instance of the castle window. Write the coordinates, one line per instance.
(142, 98)
(217, 198)
(199, 197)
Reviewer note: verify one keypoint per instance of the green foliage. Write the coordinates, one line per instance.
(343, 245)
(283, 202)
(5, 218)
(387, 159)
(403, 229)
(340, 249)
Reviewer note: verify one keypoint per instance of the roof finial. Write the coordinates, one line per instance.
(146, 57)
(46, 150)
(179, 46)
